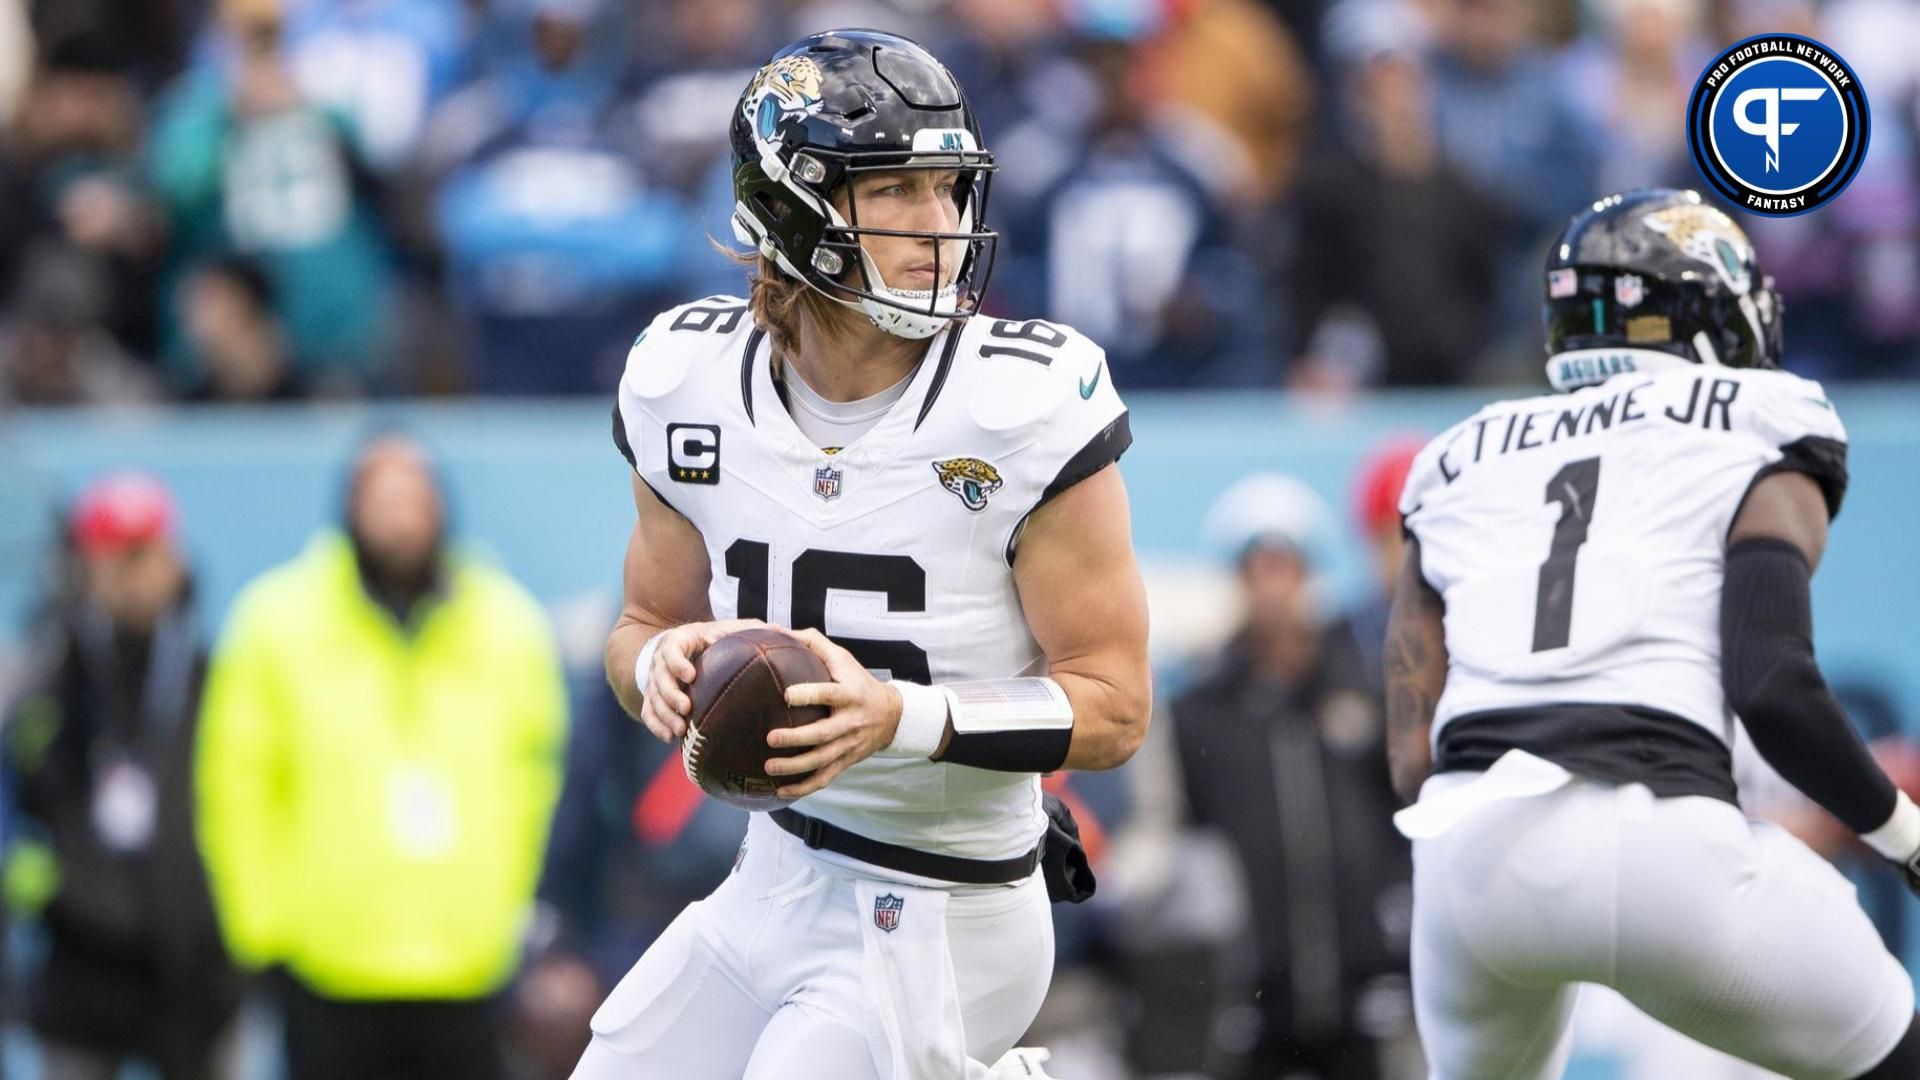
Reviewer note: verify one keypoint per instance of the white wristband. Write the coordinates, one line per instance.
(643, 664)
(1899, 838)
(923, 721)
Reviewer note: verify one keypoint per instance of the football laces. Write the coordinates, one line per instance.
(690, 748)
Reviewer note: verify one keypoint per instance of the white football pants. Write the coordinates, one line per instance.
(788, 971)
(1729, 931)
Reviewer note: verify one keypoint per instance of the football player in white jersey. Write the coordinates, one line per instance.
(1596, 585)
(925, 493)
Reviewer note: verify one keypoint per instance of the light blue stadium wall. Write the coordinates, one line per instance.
(542, 486)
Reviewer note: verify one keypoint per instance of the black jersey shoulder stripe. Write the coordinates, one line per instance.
(1100, 451)
(954, 333)
(620, 436)
(746, 370)
(1819, 457)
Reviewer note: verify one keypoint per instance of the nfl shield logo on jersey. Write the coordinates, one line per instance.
(826, 482)
(886, 912)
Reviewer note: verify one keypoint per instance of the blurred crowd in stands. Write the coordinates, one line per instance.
(247, 200)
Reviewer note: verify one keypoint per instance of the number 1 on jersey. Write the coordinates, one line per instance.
(1574, 488)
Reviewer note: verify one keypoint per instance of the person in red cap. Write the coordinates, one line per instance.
(99, 755)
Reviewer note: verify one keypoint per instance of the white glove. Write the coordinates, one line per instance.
(1023, 1063)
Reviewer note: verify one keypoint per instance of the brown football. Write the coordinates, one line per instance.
(739, 694)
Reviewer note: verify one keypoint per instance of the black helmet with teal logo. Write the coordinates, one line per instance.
(836, 104)
(1651, 278)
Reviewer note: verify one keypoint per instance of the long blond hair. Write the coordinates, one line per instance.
(778, 302)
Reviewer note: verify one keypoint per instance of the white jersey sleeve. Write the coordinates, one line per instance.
(677, 459)
(1792, 418)
(1056, 403)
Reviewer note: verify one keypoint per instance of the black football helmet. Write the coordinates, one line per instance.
(836, 104)
(1654, 277)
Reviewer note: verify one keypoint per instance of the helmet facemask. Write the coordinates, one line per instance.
(793, 220)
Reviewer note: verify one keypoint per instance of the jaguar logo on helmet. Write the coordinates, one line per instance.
(788, 87)
(1706, 235)
(969, 478)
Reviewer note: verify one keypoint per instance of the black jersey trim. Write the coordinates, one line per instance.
(1101, 451)
(940, 373)
(1821, 458)
(620, 436)
(1615, 744)
(746, 370)
(664, 501)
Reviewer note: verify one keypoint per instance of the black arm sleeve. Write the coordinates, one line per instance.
(1768, 670)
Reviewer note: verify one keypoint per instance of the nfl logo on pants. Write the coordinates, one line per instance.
(886, 912)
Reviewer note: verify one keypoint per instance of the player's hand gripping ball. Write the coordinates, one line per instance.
(739, 694)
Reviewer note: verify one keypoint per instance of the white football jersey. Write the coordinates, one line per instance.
(1579, 540)
(900, 545)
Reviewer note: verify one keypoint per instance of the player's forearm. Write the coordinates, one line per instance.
(1774, 684)
(1110, 718)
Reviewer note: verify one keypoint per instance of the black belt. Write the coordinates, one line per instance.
(818, 834)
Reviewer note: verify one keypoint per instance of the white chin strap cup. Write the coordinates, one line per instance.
(913, 325)
(901, 321)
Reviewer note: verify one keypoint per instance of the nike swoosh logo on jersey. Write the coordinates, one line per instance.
(1086, 388)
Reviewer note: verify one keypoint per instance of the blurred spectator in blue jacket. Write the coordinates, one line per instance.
(1394, 269)
(244, 164)
(384, 64)
(1130, 238)
(1010, 55)
(693, 59)
(1507, 126)
(1628, 80)
(557, 244)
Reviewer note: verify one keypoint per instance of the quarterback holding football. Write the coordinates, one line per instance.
(923, 494)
